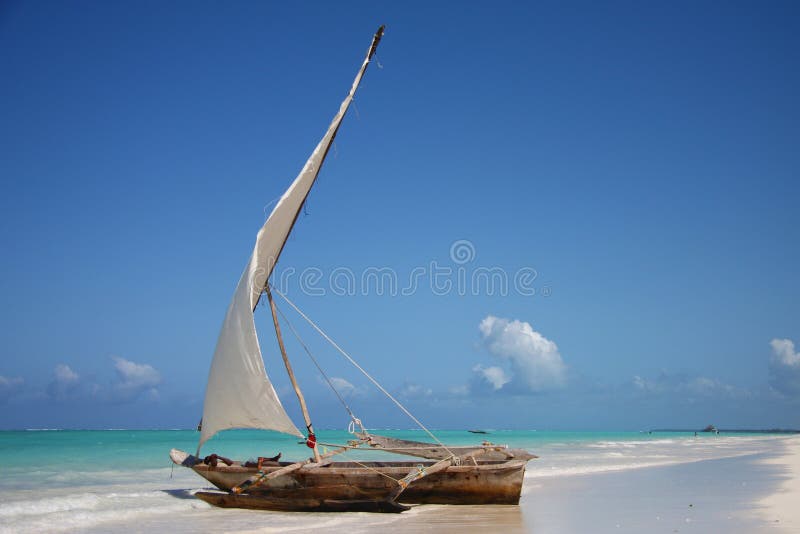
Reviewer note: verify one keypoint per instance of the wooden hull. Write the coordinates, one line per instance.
(496, 482)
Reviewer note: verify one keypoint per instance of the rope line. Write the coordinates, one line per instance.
(364, 372)
(319, 368)
(395, 480)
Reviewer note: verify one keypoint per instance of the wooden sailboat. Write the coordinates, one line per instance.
(239, 394)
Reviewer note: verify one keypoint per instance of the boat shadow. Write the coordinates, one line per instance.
(181, 493)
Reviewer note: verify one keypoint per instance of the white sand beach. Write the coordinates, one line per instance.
(782, 506)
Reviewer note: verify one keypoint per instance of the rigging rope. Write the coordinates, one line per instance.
(354, 420)
(365, 373)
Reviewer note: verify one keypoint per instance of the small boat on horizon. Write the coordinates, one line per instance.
(239, 394)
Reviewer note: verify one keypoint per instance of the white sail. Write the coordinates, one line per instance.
(239, 393)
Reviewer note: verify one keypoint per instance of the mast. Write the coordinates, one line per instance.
(312, 442)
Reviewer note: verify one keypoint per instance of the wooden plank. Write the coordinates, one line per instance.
(417, 474)
(260, 478)
(264, 502)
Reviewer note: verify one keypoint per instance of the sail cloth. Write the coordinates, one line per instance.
(239, 393)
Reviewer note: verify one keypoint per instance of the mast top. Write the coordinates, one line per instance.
(375, 40)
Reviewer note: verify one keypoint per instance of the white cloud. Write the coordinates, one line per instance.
(535, 362)
(710, 387)
(459, 391)
(697, 386)
(344, 387)
(64, 374)
(642, 384)
(784, 367)
(9, 387)
(134, 379)
(783, 352)
(410, 390)
(8, 382)
(495, 376)
(65, 383)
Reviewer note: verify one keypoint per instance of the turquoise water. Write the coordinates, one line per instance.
(89, 480)
(101, 450)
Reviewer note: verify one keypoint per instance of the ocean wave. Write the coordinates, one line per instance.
(594, 469)
(82, 521)
(37, 507)
(629, 444)
(86, 510)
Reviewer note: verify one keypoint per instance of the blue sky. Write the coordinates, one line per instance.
(642, 160)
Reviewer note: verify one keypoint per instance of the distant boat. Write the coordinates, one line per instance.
(478, 431)
(239, 394)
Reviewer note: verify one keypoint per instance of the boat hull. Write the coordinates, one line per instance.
(264, 502)
(484, 483)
